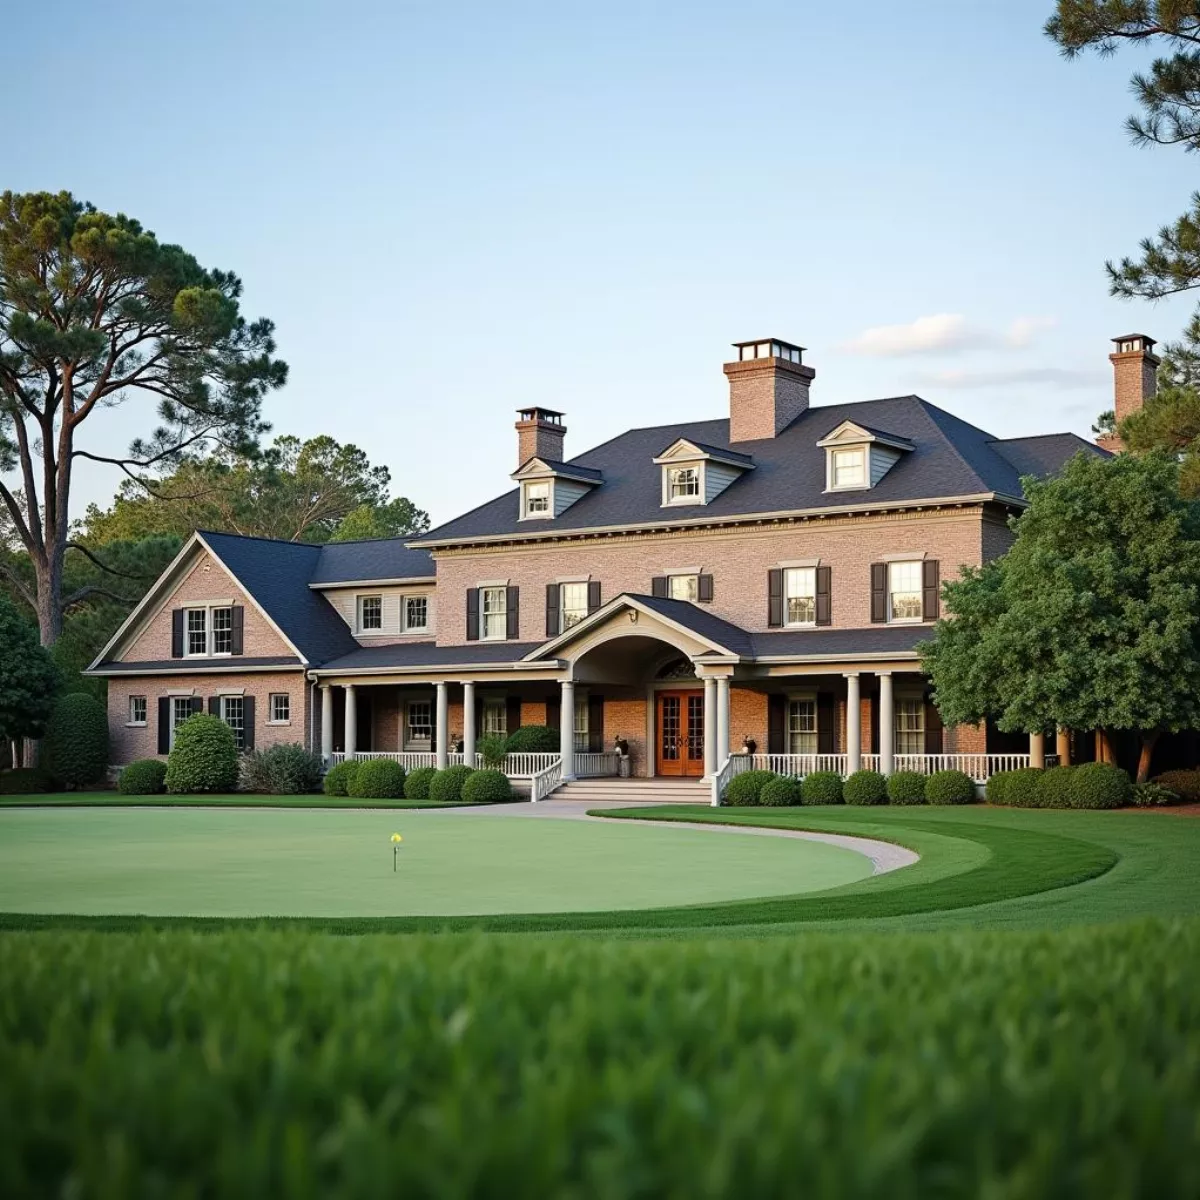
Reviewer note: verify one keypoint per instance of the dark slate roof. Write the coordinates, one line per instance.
(275, 574)
(1045, 454)
(876, 639)
(951, 458)
(183, 665)
(386, 558)
(426, 654)
(700, 621)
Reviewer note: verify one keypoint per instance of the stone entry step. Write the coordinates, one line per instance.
(636, 791)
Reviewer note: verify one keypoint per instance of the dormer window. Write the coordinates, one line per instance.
(537, 498)
(549, 487)
(848, 468)
(857, 456)
(683, 483)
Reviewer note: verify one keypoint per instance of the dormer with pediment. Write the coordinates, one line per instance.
(858, 457)
(549, 488)
(695, 473)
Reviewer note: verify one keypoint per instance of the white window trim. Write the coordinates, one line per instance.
(415, 630)
(271, 720)
(361, 629)
(669, 501)
(562, 602)
(673, 575)
(799, 624)
(131, 723)
(223, 697)
(894, 620)
(417, 745)
(809, 697)
(526, 515)
(209, 632)
(493, 700)
(830, 451)
(484, 636)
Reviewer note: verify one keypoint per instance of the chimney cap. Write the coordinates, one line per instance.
(535, 412)
(769, 348)
(1147, 341)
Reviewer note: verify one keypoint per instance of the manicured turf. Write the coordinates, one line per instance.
(206, 800)
(300, 1065)
(321, 864)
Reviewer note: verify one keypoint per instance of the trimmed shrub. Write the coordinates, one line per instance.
(1017, 788)
(487, 787)
(1185, 785)
(446, 786)
(1054, 788)
(287, 769)
(996, 788)
(143, 777)
(377, 779)
(76, 745)
(533, 739)
(338, 778)
(950, 787)
(783, 791)
(1099, 785)
(743, 790)
(416, 783)
(25, 781)
(865, 787)
(493, 750)
(906, 787)
(821, 787)
(1153, 795)
(204, 757)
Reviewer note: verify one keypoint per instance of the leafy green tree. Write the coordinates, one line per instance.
(1171, 422)
(29, 680)
(94, 312)
(1092, 619)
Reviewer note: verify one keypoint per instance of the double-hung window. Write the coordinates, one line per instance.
(416, 614)
(684, 587)
(370, 613)
(581, 723)
(181, 709)
(137, 710)
(683, 483)
(910, 725)
(233, 713)
(537, 499)
(222, 630)
(802, 726)
(419, 735)
(800, 596)
(848, 468)
(197, 631)
(281, 708)
(495, 717)
(493, 613)
(573, 603)
(904, 591)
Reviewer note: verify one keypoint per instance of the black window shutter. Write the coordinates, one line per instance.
(512, 714)
(237, 616)
(824, 605)
(593, 595)
(512, 606)
(704, 589)
(775, 602)
(247, 722)
(933, 728)
(176, 633)
(164, 724)
(825, 720)
(776, 724)
(658, 586)
(554, 712)
(552, 595)
(214, 706)
(930, 572)
(197, 704)
(472, 614)
(595, 723)
(878, 593)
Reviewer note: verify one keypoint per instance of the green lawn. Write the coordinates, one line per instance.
(207, 800)
(207, 863)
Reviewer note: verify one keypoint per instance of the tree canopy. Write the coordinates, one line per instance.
(96, 311)
(29, 680)
(1092, 619)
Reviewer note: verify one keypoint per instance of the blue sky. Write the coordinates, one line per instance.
(451, 210)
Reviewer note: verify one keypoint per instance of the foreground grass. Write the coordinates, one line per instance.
(300, 1065)
(207, 800)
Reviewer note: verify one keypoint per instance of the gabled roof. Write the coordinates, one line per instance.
(951, 459)
(851, 432)
(540, 467)
(703, 450)
(370, 562)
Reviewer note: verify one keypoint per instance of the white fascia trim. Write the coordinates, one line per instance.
(373, 583)
(878, 656)
(671, 457)
(438, 668)
(183, 669)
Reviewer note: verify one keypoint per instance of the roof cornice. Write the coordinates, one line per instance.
(360, 583)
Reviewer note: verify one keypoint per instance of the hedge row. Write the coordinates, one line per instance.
(383, 779)
(862, 788)
(1090, 785)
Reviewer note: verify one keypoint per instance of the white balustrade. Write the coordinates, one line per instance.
(977, 766)
(589, 764)
(543, 782)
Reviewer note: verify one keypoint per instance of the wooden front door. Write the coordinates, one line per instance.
(680, 733)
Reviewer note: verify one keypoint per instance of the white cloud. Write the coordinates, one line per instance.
(1056, 377)
(944, 333)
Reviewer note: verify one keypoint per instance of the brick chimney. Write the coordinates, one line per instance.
(768, 388)
(1135, 379)
(540, 434)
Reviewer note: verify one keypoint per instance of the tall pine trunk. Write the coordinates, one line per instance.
(48, 576)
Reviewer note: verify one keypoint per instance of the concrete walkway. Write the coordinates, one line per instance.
(884, 856)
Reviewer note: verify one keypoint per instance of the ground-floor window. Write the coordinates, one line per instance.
(233, 712)
(802, 726)
(137, 710)
(281, 708)
(582, 732)
(419, 725)
(910, 725)
(495, 718)
(181, 709)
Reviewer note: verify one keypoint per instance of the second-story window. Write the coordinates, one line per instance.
(222, 630)
(370, 613)
(573, 602)
(904, 591)
(197, 631)
(683, 483)
(493, 613)
(684, 587)
(800, 596)
(537, 499)
(416, 614)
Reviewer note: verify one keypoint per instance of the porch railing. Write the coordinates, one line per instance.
(589, 764)
(523, 765)
(978, 766)
(546, 780)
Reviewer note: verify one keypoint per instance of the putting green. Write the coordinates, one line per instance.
(339, 864)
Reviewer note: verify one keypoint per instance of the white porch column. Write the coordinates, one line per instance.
(351, 721)
(722, 718)
(1037, 749)
(711, 762)
(327, 723)
(443, 727)
(469, 723)
(887, 725)
(853, 723)
(566, 735)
